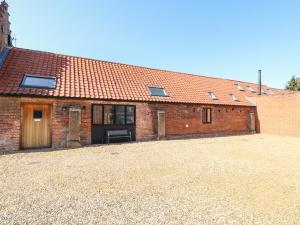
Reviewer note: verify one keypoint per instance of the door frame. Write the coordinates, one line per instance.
(22, 117)
(252, 121)
(157, 121)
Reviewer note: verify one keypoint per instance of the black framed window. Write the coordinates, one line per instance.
(130, 113)
(120, 115)
(97, 114)
(108, 114)
(207, 115)
(113, 115)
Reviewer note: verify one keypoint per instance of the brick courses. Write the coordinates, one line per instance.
(10, 115)
(182, 120)
(279, 114)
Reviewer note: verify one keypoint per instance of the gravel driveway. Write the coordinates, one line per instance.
(229, 180)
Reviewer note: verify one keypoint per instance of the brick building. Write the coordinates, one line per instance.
(53, 100)
(58, 101)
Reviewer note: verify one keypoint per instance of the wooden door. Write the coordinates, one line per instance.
(36, 121)
(161, 124)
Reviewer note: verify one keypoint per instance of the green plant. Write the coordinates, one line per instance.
(293, 84)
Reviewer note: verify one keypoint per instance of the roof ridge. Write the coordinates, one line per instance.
(144, 67)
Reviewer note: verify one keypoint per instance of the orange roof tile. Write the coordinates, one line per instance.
(95, 79)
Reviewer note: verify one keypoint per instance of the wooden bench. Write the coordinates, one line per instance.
(110, 134)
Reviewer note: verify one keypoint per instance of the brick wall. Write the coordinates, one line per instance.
(10, 116)
(181, 120)
(10, 120)
(279, 114)
(60, 122)
(144, 122)
(186, 120)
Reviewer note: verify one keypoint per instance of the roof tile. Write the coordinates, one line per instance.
(87, 78)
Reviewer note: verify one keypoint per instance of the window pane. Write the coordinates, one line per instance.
(206, 115)
(108, 114)
(157, 91)
(232, 96)
(37, 114)
(120, 114)
(97, 114)
(36, 81)
(130, 115)
(250, 89)
(212, 95)
(239, 87)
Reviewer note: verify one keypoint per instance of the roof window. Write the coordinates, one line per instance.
(155, 91)
(232, 96)
(251, 89)
(212, 95)
(239, 87)
(36, 81)
(250, 100)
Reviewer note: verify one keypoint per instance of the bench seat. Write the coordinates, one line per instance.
(110, 134)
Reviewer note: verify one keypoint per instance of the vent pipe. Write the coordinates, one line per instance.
(259, 82)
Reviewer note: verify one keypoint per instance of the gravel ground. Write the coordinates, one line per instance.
(229, 180)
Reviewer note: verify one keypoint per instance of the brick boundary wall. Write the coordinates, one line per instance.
(182, 120)
(279, 114)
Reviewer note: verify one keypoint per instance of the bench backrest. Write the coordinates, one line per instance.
(117, 132)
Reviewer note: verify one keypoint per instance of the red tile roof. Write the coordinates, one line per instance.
(95, 79)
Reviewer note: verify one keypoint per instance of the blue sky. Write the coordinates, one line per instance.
(230, 39)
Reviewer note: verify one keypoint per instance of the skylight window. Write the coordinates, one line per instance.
(239, 87)
(232, 96)
(251, 100)
(212, 95)
(251, 89)
(36, 81)
(270, 91)
(155, 91)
